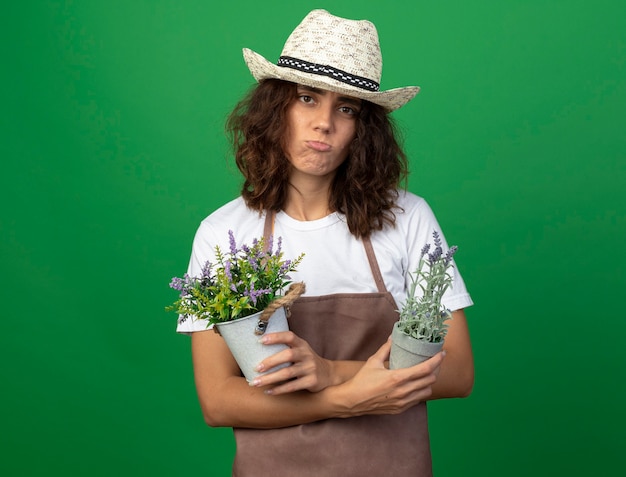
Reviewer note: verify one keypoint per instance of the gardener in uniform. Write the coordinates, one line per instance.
(322, 170)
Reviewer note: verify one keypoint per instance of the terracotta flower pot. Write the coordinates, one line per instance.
(244, 343)
(407, 351)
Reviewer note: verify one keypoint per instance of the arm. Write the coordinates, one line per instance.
(456, 375)
(455, 378)
(227, 399)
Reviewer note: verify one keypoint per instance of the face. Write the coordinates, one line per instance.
(321, 126)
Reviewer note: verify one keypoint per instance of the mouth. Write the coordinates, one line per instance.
(318, 146)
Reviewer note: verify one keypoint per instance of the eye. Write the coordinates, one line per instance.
(350, 111)
(305, 98)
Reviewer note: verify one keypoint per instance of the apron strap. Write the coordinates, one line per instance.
(268, 230)
(371, 257)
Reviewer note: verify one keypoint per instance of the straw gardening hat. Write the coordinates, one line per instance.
(335, 54)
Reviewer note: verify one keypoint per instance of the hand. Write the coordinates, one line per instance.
(309, 371)
(378, 390)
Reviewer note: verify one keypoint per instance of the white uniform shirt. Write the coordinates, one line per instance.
(334, 261)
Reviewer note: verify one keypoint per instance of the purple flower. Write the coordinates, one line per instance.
(280, 245)
(177, 284)
(250, 293)
(270, 244)
(253, 263)
(437, 239)
(256, 256)
(227, 272)
(255, 294)
(284, 268)
(233, 244)
(425, 249)
(435, 255)
(182, 284)
(450, 253)
(206, 270)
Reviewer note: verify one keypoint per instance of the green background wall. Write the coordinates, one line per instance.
(112, 152)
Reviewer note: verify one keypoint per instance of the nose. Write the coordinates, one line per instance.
(324, 118)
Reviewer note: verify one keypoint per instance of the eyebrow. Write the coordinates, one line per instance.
(345, 99)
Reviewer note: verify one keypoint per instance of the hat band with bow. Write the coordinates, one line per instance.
(324, 70)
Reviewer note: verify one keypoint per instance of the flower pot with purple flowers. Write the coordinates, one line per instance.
(241, 294)
(421, 329)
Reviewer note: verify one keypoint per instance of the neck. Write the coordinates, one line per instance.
(308, 199)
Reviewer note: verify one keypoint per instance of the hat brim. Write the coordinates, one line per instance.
(261, 69)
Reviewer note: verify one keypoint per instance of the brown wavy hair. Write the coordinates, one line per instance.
(365, 187)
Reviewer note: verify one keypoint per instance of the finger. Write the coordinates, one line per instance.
(425, 368)
(409, 393)
(298, 379)
(281, 337)
(304, 372)
(288, 387)
(282, 357)
(408, 401)
(295, 369)
(434, 362)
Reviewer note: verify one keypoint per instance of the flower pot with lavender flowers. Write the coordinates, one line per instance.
(240, 293)
(420, 332)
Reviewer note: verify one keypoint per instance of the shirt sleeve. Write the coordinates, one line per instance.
(203, 250)
(421, 223)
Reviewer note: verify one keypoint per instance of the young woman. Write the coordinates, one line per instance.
(322, 170)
